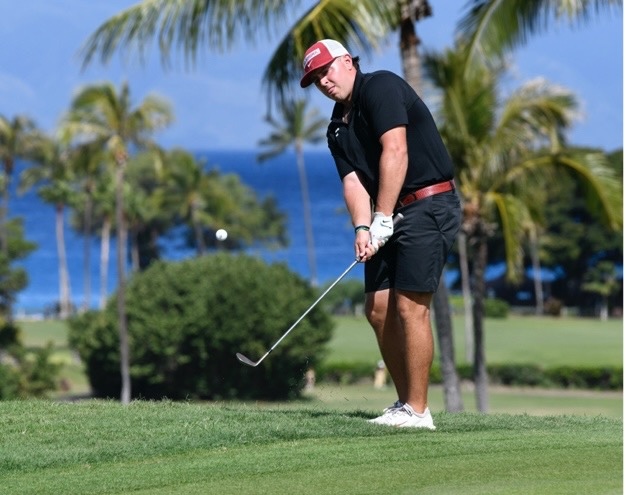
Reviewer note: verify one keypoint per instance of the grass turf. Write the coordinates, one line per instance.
(517, 339)
(166, 448)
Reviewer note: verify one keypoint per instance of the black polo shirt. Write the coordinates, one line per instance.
(381, 101)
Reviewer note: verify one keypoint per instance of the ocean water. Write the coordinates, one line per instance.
(333, 234)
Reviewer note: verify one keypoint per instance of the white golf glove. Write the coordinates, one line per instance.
(380, 230)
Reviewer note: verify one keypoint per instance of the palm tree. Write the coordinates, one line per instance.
(296, 127)
(493, 28)
(89, 166)
(101, 114)
(52, 173)
(184, 192)
(504, 152)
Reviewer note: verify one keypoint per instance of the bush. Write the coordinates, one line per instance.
(26, 373)
(186, 321)
(9, 382)
(10, 335)
(496, 308)
(553, 307)
(519, 375)
(345, 373)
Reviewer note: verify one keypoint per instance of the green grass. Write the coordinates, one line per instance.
(95, 447)
(38, 333)
(516, 339)
(547, 341)
(502, 400)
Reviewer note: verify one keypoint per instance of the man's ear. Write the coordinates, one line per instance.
(347, 61)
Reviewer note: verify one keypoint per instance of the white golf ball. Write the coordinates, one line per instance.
(221, 235)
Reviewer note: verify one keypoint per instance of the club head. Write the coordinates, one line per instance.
(246, 360)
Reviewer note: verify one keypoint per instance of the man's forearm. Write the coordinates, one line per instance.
(393, 165)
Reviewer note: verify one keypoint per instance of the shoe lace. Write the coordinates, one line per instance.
(396, 405)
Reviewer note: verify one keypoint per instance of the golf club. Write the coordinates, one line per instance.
(249, 362)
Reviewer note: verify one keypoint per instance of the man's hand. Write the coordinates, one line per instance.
(380, 230)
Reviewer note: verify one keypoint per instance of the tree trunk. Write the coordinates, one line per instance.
(198, 234)
(105, 245)
(409, 43)
(306, 208)
(466, 288)
(87, 217)
(121, 283)
(534, 254)
(452, 398)
(604, 309)
(481, 378)
(64, 276)
(134, 250)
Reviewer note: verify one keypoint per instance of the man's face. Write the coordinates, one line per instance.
(336, 79)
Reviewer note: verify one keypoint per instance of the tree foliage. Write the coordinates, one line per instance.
(188, 319)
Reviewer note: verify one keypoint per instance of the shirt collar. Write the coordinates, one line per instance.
(356, 92)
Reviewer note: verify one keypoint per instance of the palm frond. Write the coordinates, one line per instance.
(514, 216)
(495, 27)
(361, 25)
(536, 115)
(603, 188)
(184, 25)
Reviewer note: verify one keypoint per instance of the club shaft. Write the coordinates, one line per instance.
(345, 272)
(398, 217)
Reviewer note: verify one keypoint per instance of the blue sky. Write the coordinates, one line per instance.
(220, 104)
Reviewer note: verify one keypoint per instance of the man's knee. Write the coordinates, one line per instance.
(414, 306)
(376, 309)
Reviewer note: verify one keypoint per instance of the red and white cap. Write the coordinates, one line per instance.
(318, 55)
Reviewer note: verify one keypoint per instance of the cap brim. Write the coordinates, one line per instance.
(307, 79)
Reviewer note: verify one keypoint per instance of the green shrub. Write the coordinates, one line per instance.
(345, 373)
(10, 335)
(600, 378)
(553, 307)
(186, 322)
(27, 373)
(496, 308)
(9, 382)
(526, 375)
(517, 375)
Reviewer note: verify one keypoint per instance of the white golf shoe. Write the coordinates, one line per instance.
(382, 420)
(405, 417)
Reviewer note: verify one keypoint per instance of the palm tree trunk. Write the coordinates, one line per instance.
(121, 283)
(87, 217)
(134, 250)
(64, 276)
(480, 363)
(198, 233)
(306, 208)
(105, 245)
(466, 288)
(409, 43)
(534, 254)
(451, 385)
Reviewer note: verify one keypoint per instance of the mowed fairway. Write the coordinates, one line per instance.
(96, 447)
(534, 441)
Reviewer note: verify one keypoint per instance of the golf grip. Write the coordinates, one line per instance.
(397, 218)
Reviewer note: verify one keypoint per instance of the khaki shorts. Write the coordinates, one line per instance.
(414, 257)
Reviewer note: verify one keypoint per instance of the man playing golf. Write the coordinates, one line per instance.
(391, 158)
